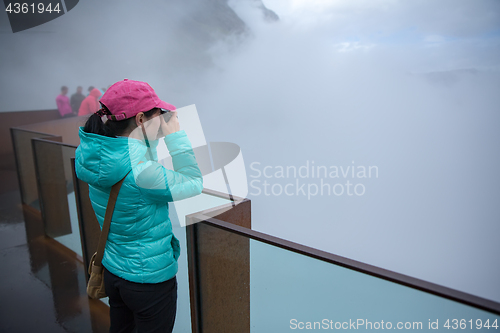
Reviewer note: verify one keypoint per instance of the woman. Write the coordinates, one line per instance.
(140, 258)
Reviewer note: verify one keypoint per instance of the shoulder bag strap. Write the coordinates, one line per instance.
(107, 221)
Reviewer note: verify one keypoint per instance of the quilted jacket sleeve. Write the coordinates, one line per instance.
(158, 184)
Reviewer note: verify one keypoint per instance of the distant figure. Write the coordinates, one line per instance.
(76, 100)
(90, 89)
(90, 104)
(63, 103)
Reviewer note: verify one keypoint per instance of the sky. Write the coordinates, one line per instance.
(408, 88)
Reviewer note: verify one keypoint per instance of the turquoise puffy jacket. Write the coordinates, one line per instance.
(141, 246)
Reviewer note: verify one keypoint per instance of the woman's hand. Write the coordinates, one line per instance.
(171, 126)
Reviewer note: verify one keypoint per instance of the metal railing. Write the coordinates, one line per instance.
(236, 273)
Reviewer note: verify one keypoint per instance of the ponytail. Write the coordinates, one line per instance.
(95, 125)
(110, 128)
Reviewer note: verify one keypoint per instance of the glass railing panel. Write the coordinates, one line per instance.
(21, 141)
(290, 291)
(301, 289)
(183, 317)
(55, 186)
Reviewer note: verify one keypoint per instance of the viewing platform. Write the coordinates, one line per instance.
(231, 278)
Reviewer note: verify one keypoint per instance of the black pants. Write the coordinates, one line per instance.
(148, 307)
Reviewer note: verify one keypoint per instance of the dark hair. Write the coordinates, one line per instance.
(111, 128)
(64, 88)
(91, 87)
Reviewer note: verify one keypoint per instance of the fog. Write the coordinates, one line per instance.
(410, 88)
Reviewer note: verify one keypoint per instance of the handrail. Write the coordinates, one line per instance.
(55, 142)
(28, 130)
(222, 195)
(429, 287)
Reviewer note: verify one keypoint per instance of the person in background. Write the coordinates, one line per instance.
(76, 100)
(90, 104)
(63, 103)
(90, 89)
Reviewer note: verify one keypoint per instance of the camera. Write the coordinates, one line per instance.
(166, 114)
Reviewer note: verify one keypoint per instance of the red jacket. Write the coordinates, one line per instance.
(90, 103)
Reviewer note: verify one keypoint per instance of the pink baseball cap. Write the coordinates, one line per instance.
(126, 98)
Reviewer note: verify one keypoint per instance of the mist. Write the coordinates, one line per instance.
(408, 87)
